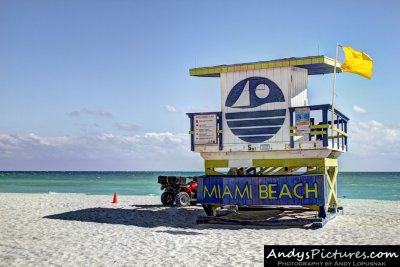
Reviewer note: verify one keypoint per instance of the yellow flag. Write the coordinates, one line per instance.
(357, 62)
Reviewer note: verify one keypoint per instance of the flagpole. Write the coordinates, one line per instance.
(334, 89)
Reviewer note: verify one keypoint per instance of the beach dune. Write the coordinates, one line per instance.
(81, 230)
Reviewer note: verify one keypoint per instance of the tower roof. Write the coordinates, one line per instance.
(314, 64)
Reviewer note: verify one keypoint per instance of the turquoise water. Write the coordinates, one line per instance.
(371, 185)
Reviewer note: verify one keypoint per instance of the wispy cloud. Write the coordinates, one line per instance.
(98, 151)
(359, 109)
(74, 114)
(99, 113)
(127, 126)
(373, 146)
(169, 108)
(375, 137)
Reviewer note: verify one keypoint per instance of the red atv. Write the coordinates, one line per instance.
(177, 190)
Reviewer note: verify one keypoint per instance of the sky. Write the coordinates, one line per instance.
(105, 85)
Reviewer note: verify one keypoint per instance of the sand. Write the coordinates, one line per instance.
(82, 230)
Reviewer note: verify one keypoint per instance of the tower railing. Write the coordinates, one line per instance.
(321, 127)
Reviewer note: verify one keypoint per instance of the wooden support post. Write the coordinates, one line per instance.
(332, 195)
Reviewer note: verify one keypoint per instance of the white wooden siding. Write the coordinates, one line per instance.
(293, 83)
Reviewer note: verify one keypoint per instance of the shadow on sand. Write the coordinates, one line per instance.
(151, 216)
(148, 216)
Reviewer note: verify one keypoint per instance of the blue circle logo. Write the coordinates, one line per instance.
(254, 126)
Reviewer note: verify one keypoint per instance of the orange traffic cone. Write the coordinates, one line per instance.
(115, 200)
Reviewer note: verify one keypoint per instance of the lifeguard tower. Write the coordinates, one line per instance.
(268, 146)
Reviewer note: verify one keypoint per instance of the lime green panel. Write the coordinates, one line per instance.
(317, 132)
(216, 163)
(306, 162)
(320, 62)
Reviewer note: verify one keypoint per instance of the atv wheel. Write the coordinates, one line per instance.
(168, 198)
(182, 199)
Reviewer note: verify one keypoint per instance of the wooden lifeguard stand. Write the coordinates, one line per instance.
(268, 146)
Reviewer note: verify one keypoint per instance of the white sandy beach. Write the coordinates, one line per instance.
(86, 230)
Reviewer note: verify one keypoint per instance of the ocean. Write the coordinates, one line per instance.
(355, 185)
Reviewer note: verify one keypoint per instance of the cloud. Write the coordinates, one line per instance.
(359, 109)
(98, 151)
(74, 114)
(99, 113)
(373, 133)
(169, 108)
(127, 126)
(373, 146)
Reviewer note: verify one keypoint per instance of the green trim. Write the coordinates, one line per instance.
(211, 164)
(331, 162)
(304, 62)
(306, 162)
(277, 163)
(317, 132)
(322, 126)
(221, 163)
(340, 131)
(332, 173)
